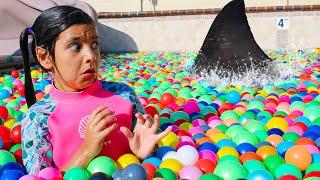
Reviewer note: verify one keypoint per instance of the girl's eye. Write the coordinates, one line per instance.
(75, 47)
(94, 45)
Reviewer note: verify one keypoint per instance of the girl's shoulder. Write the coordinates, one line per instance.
(41, 109)
(117, 88)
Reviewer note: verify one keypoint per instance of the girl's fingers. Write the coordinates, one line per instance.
(101, 115)
(103, 122)
(127, 133)
(148, 120)
(103, 134)
(140, 119)
(95, 113)
(156, 122)
(164, 133)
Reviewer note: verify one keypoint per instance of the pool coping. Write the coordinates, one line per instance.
(183, 12)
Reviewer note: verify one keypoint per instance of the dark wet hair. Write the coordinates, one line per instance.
(45, 32)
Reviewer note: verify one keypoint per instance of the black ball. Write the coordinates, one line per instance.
(100, 176)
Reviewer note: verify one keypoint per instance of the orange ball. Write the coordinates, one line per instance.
(249, 156)
(274, 139)
(265, 151)
(298, 156)
(205, 165)
(305, 141)
(166, 99)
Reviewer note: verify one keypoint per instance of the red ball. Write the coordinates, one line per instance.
(20, 90)
(205, 165)
(3, 112)
(288, 177)
(15, 73)
(166, 99)
(15, 134)
(5, 136)
(150, 168)
(18, 155)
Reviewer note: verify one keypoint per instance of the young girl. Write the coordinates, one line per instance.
(81, 117)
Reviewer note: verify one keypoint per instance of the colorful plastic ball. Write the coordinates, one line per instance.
(190, 172)
(265, 151)
(102, 164)
(171, 164)
(277, 122)
(11, 166)
(288, 177)
(4, 94)
(314, 174)
(100, 176)
(246, 147)
(313, 167)
(76, 173)
(224, 151)
(11, 174)
(6, 157)
(253, 165)
(15, 134)
(161, 151)
(170, 139)
(5, 137)
(153, 160)
(166, 174)
(287, 169)
(117, 175)
(133, 172)
(3, 112)
(208, 146)
(150, 169)
(233, 97)
(188, 155)
(283, 147)
(273, 162)
(260, 174)
(166, 98)
(206, 154)
(298, 156)
(210, 177)
(28, 177)
(127, 159)
(249, 156)
(49, 173)
(230, 170)
(205, 165)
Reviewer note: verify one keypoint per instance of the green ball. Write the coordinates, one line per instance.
(179, 115)
(313, 167)
(206, 98)
(233, 130)
(6, 157)
(256, 105)
(223, 128)
(229, 170)
(312, 113)
(261, 135)
(254, 125)
(166, 174)
(290, 136)
(102, 164)
(245, 137)
(287, 169)
(273, 162)
(210, 177)
(297, 105)
(76, 173)
(207, 109)
(15, 148)
(229, 114)
(253, 165)
(229, 158)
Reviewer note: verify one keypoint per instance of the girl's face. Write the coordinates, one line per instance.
(77, 58)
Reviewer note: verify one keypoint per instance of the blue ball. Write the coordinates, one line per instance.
(12, 166)
(153, 160)
(276, 131)
(117, 175)
(311, 135)
(246, 147)
(314, 128)
(162, 151)
(205, 128)
(198, 136)
(233, 97)
(283, 146)
(4, 94)
(315, 157)
(11, 174)
(134, 172)
(208, 146)
(226, 142)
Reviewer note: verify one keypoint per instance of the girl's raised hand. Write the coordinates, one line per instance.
(144, 137)
(96, 130)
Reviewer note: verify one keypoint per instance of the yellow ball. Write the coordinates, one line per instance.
(35, 73)
(219, 137)
(127, 159)
(227, 150)
(171, 164)
(169, 140)
(186, 126)
(9, 123)
(277, 122)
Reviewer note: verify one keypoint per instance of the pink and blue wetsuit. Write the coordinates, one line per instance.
(53, 128)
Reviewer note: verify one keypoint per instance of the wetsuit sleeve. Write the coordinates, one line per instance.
(36, 147)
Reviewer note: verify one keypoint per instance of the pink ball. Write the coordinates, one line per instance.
(196, 130)
(29, 177)
(190, 172)
(295, 129)
(198, 122)
(207, 154)
(49, 172)
(214, 123)
(191, 107)
(312, 149)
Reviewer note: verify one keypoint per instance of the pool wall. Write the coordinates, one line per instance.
(300, 29)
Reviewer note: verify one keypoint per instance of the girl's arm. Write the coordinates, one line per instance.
(36, 148)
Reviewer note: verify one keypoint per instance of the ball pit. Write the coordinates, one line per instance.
(218, 132)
